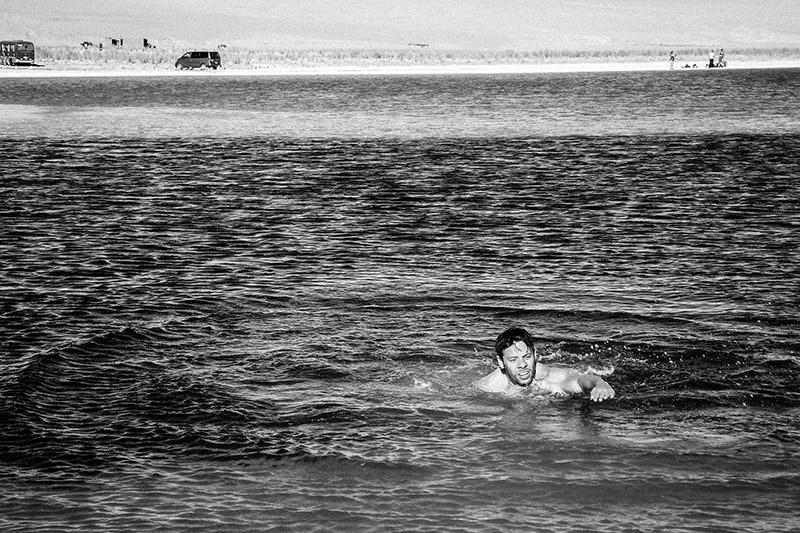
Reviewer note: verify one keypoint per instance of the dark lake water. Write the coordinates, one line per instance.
(259, 303)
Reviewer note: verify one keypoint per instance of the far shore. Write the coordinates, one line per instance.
(142, 70)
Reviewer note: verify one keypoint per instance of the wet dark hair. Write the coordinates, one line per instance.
(509, 337)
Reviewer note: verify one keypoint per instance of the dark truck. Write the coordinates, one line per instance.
(199, 59)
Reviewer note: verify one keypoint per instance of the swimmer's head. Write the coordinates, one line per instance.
(512, 336)
(516, 356)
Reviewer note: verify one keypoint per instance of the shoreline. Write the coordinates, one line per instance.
(144, 71)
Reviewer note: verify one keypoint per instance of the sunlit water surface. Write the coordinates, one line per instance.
(258, 303)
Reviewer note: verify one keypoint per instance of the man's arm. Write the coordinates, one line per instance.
(596, 387)
(569, 381)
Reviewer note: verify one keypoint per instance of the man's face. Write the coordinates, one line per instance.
(519, 364)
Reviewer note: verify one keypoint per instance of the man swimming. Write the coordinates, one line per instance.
(519, 370)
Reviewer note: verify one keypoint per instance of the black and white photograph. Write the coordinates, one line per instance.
(399, 266)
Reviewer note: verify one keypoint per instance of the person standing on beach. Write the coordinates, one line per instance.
(711, 58)
(519, 370)
(672, 59)
(721, 58)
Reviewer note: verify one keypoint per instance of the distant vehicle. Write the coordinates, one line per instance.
(199, 59)
(13, 53)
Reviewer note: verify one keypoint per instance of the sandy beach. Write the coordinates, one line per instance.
(65, 71)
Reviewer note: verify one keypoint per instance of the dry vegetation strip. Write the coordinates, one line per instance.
(235, 57)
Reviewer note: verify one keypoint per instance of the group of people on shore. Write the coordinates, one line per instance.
(715, 60)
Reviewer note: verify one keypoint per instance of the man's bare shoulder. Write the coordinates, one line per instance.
(491, 382)
(551, 373)
(551, 378)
